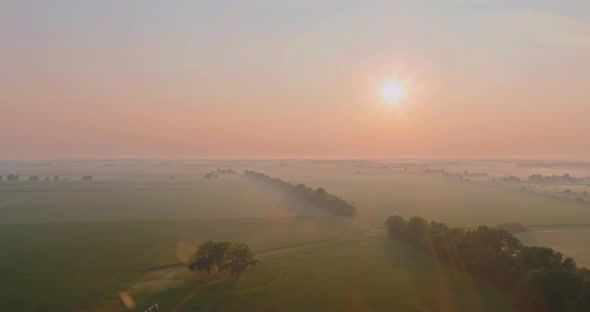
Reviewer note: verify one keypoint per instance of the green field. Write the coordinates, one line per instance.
(81, 266)
(73, 245)
(306, 263)
(369, 274)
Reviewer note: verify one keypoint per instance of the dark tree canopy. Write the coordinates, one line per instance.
(215, 174)
(236, 258)
(554, 179)
(209, 255)
(13, 177)
(539, 277)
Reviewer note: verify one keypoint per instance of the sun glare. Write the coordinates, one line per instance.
(392, 92)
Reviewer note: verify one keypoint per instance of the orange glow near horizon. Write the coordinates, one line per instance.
(392, 79)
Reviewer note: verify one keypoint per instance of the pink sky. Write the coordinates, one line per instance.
(181, 79)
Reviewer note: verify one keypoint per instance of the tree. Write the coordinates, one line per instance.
(238, 259)
(302, 191)
(319, 196)
(538, 178)
(568, 178)
(396, 227)
(541, 258)
(218, 253)
(209, 255)
(200, 264)
(13, 177)
(417, 228)
(539, 278)
(203, 259)
(223, 256)
(569, 264)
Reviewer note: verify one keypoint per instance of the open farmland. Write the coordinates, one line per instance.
(352, 274)
(73, 245)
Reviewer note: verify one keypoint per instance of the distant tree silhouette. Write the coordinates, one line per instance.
(513, 179)
(319, 197)
(537, 178)
(512, 227)
(554, 179)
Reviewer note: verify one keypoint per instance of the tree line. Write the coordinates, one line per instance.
(235, 258)
(539, 278)
(319, 197)
(33, 178)
(555, 179)
(215, 174)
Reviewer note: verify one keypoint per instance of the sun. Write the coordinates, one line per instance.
(392, 92)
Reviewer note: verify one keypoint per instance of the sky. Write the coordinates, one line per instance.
(294, 79)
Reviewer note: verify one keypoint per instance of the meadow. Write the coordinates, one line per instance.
(73, 245)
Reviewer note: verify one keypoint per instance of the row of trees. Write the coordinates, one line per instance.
(11, 177)
(215, 174)
(555, 179)
(539, 278)
(235, 258)
(319, 197)
(511, 179)
(16, 177)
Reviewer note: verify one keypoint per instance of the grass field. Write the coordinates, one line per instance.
(82, 266)
(73, 245)
(367, 274)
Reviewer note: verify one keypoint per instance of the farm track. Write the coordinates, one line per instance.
(272, 251)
